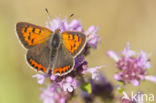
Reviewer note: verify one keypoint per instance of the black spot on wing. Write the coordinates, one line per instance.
(32, 41)
(74, 45)
(29, 35)
(41, 69)
(25, 29)
(36, 67)
(57, 72)
(78, 38)
(39, 31)
(33, 30)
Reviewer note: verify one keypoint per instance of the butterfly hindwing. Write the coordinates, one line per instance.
(64, 62)
(74, 41)
(31, 35)
(38, 57)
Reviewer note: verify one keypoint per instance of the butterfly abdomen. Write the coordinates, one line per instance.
(53, 54)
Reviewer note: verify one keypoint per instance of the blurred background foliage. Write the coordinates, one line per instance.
(119, 21)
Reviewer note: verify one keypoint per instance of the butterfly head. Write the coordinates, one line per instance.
(57, 31)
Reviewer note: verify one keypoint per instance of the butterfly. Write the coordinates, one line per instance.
(50, 50)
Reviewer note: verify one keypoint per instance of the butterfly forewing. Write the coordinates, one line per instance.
(31, 35)
(74, 41)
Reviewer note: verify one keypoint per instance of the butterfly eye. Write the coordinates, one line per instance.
(57, 30)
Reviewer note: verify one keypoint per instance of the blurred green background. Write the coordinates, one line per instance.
(119, 21)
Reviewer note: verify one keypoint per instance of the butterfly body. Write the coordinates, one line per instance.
(54, 44)
(49, 50)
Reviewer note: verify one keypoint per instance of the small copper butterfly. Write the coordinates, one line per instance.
(48, 50)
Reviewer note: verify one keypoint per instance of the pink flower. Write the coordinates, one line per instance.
(64, 25)
(151, 78)
(92, 38)
(53, 77)
(47, 96)
(132, 65)
(54, 94)
(94, 71)
(69, 84)
(143, 60)
(40, 78)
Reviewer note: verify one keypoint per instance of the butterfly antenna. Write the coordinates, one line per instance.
(49, 17)
(70, 16)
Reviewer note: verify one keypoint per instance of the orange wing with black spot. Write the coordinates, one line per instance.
(74, 41)
(31, 35)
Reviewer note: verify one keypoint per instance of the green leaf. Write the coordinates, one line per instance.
(86, 87)
(121, 90)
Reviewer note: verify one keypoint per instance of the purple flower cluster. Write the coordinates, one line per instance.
(61, 88)
(132, 65)
(53, 94)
